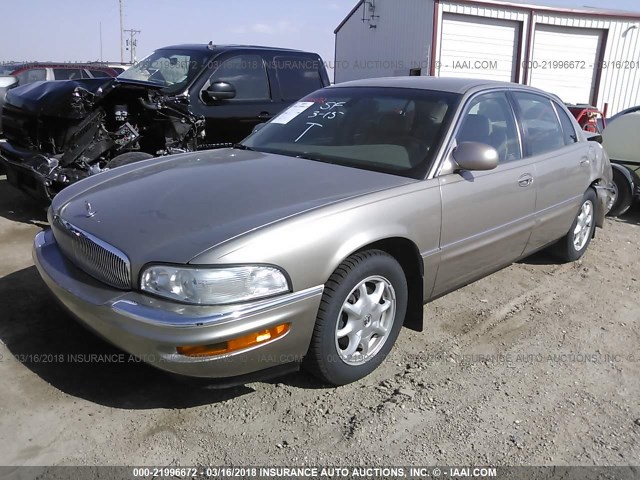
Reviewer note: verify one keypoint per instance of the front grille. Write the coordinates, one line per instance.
(97, 258)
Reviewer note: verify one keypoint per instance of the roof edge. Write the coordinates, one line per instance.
(551, 9)
(349, 15)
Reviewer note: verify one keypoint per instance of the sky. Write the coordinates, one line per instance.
(69, 30)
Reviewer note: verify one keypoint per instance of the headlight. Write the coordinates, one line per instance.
(213, 286)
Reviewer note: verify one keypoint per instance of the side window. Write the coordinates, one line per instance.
(247, 73)
(568, 130)
(31, 75)
(297, 76)
(98, 73)
(540, 123)
(67, 73)
(489, 119)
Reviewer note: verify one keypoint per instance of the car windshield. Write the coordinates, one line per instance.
(390, 130)
(170, 68)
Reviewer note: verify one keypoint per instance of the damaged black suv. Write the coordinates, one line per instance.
(178, 99)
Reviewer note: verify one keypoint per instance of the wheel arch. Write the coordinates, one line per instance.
(407, 254)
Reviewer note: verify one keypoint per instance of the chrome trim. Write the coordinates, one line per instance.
(164, 318)
(121, 280)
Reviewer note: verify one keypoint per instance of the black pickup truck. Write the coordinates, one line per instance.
(178, 99)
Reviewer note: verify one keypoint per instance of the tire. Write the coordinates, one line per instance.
(337, 357)
(623, 195)
(127, 158)
(575, 243)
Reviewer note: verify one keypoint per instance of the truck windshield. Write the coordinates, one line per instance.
(390, 130)
(172, 69)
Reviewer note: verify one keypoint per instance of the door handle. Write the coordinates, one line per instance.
(585, 162)
(264, 116)
(525, 180)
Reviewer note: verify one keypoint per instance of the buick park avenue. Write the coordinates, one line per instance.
(316, 239)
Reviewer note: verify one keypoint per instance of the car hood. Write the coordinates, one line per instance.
(172, 209)
(55, 98)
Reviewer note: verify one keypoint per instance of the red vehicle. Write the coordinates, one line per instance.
(587, 117)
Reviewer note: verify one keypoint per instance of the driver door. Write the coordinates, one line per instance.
(230, 121)
(487, 216)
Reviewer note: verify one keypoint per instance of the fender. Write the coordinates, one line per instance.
(631, 178)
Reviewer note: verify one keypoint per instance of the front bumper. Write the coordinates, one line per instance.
(151, 329)
(27, 170)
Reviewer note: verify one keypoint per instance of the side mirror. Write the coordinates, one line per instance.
(7, 81)
(219, 91)
(475, 156)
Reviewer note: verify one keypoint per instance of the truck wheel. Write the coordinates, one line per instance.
(575, 243)
(127, 158)
(360, 316)
(623, 196)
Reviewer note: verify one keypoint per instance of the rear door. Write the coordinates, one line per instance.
(562, 165)
(487, 216)
(230, 121)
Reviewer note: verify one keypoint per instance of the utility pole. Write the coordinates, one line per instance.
(121, 35)
(101, 41)
(132, 43)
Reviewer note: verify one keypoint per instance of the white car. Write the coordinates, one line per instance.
(621, 141)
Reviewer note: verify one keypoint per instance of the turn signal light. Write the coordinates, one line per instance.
(235, 344)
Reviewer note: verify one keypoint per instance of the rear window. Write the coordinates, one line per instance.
(297, 76)
(98, 73)
(67, 73)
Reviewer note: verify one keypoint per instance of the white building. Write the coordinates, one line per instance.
(582, 55)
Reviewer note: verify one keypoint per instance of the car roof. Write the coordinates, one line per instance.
(223, 48)
(443, 84)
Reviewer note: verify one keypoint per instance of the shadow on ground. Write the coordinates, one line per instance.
(46, 339)
(19, 207)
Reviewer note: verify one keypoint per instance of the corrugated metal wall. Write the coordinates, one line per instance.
(619, 83)
(403, 35)
(400, 41)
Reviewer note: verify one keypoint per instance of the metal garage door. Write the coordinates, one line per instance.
(564, 61)
(478, 47)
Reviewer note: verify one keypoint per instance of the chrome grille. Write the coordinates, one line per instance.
(95, 257)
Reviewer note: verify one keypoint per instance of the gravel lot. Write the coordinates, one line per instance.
(536, 365)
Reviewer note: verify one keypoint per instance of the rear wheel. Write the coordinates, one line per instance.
(127, 158)
(575, 243)
(360, 317)
(623, 194)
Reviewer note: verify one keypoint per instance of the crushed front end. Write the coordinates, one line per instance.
(60, 132)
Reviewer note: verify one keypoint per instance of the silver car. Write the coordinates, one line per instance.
(316, 239)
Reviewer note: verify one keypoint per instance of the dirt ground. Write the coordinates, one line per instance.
(535, 365)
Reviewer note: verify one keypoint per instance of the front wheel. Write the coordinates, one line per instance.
(575, 243)
(360, 316)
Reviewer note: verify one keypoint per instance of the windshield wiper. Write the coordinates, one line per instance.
(240, 146)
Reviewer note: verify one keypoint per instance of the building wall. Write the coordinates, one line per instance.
(401, 40)
(403, 37)
(619, 84)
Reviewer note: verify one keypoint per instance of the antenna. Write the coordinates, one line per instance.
(101, 41)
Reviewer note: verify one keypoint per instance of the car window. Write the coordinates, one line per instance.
(390, 130)
(98, 73)
(31, 75)
(568, 130)
(67, 73)
(489, 119)
(542, 128)
(247, 73)
(297, 76)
